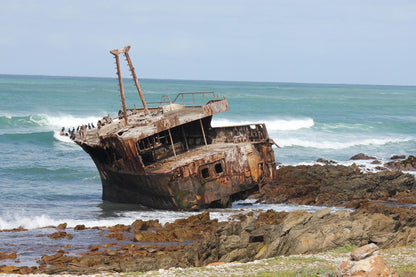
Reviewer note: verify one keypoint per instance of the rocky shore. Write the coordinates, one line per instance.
(333, 185)
(381, 212)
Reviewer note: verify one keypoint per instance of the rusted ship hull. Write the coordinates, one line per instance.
(168, 156)
(210, 175)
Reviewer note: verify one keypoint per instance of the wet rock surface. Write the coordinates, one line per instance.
(198, 241)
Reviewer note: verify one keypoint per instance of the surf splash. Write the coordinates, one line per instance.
(272, 125)
(343, 143)
(22, 219)
(43, 120)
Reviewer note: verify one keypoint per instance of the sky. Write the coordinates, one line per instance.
(303, 41)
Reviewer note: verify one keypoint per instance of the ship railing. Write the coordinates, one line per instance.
(255, 132)
(182, 98)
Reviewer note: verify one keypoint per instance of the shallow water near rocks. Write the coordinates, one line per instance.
(32, 244)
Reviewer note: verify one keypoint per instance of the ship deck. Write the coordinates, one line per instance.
(140, 126)
(210, 152)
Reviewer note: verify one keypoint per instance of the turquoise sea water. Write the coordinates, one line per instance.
(46, 180)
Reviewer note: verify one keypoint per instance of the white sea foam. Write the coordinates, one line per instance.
(32, 222)
(48, 122)
(17, 220)
(21, 219)
(326, 143)
(8, 116)
(62, 120)
(272, 125)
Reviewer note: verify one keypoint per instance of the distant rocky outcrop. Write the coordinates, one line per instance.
(336, 185)
(326, 162)
(362, 156)
(398, 157)
(408, 164)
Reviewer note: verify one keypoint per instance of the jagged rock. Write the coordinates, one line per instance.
(301, 232)
(60, 235)
(61, 226)
(9, 269)
(362, 156)
(52, 258)
(365, 261)
(79, 227)
(191, 228)
(364, 251)
(119, 228)
(140, 225)
(398, 157)
(4, 256)
(323, 161)
(407, 165)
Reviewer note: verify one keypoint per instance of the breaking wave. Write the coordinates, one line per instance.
(18, 220)
(21, 219)
(27, 123)
(326, 144)
(272, 125)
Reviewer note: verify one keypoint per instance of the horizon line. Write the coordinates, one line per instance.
(207, 80)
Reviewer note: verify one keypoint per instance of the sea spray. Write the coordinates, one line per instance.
(271, 124)
(27, 220)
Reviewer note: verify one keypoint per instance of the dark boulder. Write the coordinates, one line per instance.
(362, 156)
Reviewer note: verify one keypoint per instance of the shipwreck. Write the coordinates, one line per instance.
(167, 155)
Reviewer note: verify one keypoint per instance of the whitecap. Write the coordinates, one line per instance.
(337, 145)
(21, 219)
(67, 120)
(271, 125)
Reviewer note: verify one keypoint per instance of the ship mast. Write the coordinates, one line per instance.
(116, 53)
(136, 81)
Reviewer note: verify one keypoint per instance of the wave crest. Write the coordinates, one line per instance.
(272, 125)
(28, 123)
(325, 144)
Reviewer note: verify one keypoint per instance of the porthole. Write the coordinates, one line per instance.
(218, 168)
(205, 172)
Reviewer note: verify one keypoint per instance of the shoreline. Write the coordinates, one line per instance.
(199, 240)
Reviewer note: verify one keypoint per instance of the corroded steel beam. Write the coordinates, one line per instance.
(120, 82)
(136, 81)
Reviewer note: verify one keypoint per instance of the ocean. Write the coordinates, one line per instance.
(45, 179)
